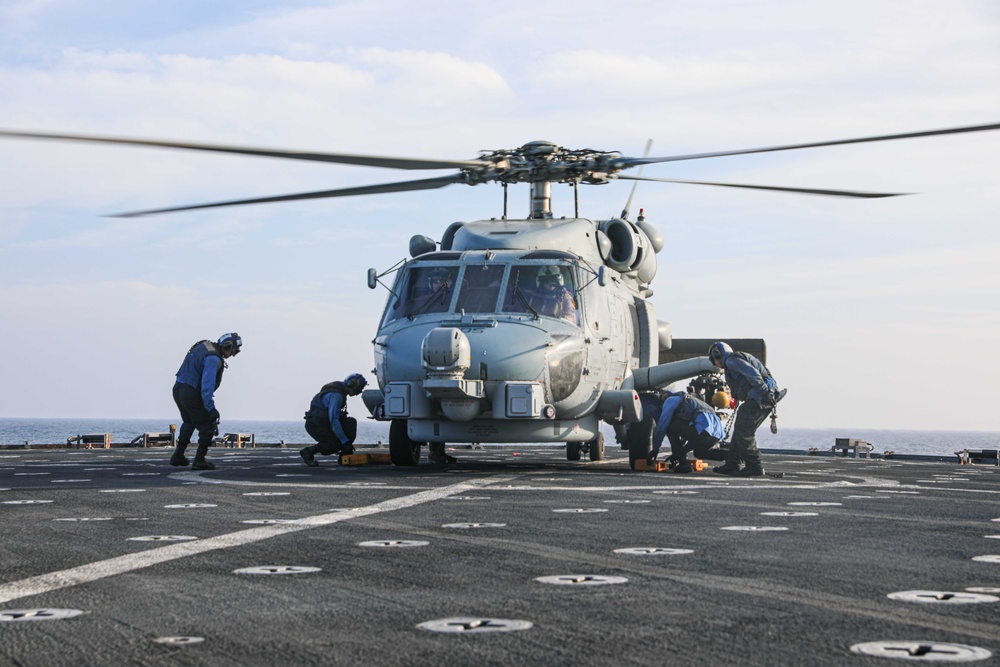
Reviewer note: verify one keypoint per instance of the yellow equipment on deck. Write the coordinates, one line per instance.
(364, 459)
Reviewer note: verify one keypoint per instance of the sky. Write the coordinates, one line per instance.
(877, 313)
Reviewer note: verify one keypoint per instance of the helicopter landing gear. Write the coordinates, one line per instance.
(402, 450)
(640, 440)
(597, 448)
(573, 451)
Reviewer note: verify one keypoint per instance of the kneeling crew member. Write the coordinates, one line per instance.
(753, 385)
(327, 421)
(199, 376)
(687, 422)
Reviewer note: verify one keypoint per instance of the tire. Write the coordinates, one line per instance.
(640, 440)
(597, 448)
(402, 450)
(572, 451)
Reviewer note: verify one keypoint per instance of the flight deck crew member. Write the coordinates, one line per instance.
(199, 376)
(758, 393)
(327, 421)
(687, 422)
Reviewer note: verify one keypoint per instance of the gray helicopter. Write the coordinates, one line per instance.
(531, 330)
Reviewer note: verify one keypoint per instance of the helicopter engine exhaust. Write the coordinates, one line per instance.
(446, 357)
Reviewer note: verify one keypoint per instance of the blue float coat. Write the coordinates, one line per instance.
(749, 379)
(206, 378)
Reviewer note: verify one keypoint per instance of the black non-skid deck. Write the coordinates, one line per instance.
(510, 556)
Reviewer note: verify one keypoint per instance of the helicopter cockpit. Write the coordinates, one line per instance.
(531, 284)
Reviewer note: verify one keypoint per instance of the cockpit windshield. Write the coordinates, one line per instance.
(422, 290)
(546, 290)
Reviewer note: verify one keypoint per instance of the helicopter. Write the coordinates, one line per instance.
(522, 330)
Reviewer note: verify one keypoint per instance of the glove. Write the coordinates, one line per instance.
(214, 416)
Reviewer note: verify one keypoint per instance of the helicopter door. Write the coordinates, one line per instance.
(621, 336)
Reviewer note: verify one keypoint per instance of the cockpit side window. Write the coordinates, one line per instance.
(480, 288)
(427, 289)
(548, 290)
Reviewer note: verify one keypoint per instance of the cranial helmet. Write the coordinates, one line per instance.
(718, 350)
(440, 273)
(230, 342)
(355, 382)
(549, 275)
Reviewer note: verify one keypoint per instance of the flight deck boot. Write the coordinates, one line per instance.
(178, 459)
(308, 455)
(199, 462)
(753, 467)
(732, 464)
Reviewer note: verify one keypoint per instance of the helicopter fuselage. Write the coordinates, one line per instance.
(518, 342)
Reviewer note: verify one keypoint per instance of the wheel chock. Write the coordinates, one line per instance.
(642, 465)
(364, 459)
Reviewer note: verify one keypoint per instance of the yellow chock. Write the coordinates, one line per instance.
(364, 459)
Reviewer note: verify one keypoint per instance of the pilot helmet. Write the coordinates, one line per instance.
(355, 382)
(549, 275)
(230, 342)
(717, 351)
(438, 274)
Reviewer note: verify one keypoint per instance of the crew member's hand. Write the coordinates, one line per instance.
(214, 416)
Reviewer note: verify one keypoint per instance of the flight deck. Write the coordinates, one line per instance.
(512, 555)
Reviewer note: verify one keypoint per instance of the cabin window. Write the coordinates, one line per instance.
(480, 288)
(548, 290)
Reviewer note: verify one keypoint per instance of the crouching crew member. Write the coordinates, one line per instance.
(327, 421)
(758, 393)
(688, 423)
(199, 376)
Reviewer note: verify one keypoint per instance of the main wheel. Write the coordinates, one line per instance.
(572, 451)
(402, 450)
(597, 448)
(640, 440)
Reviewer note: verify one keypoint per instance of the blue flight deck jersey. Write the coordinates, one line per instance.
(208, 377)
(703, 420)
(333, 401)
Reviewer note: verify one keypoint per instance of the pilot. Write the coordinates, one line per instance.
(199, 376)
(327, 421)
(688, 423)
(758, 394)
(436, 295)
(551, 298)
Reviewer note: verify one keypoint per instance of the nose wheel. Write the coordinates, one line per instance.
(402, 450)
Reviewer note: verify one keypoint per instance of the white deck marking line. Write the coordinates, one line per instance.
(52, 581)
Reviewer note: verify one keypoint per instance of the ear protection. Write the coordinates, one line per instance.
(230, 342)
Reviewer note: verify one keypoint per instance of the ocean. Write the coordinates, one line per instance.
(17, 431)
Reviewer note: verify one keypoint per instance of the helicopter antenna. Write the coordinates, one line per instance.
(628, 204)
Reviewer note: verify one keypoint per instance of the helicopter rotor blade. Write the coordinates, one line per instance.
(805, 191)
(628, 204)
(340, 158)
(404, 186)
(635, 162)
